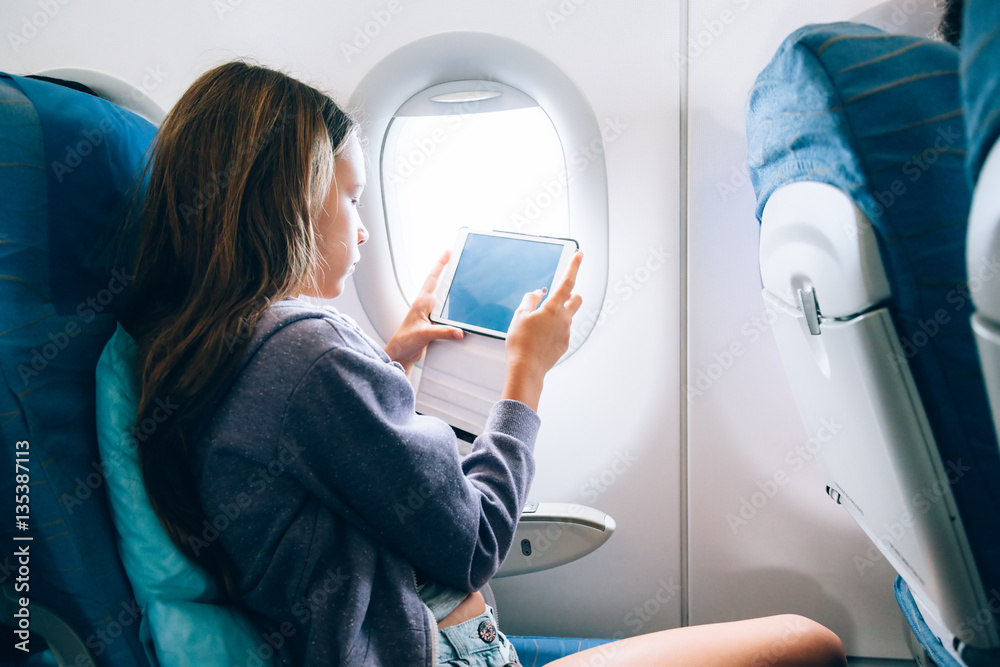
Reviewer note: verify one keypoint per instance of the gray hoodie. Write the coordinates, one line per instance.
(329, 491)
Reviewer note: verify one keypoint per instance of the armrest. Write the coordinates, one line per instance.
(553, 534)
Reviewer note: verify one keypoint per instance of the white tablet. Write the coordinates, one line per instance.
(490, 272)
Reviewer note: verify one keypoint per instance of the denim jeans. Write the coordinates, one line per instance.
(475, 643)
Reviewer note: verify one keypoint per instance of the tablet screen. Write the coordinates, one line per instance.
(494, 274)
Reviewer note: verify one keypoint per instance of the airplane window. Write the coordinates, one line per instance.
(472, 154)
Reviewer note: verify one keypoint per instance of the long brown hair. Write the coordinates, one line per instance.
(238, 171)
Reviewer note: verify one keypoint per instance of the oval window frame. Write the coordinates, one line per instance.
(453, 58)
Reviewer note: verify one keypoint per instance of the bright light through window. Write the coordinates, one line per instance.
(501, 170)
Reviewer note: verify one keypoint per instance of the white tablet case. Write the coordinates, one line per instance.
(462, 379)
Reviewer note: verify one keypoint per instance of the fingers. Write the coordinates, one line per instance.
(439, 332)
(531, 300)
(565, 289)
(430, 283)
(423, 304)
(420, 338)
(574, 304)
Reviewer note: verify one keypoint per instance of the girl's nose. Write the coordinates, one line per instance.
(362, 234)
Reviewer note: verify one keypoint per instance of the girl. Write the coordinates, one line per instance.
(298, 424)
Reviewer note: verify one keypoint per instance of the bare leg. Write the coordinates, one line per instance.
(774, 641)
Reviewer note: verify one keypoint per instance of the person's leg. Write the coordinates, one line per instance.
(774, 641)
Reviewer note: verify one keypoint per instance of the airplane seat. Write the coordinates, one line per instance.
(856, 153)
(100, 592)
(981, 100)
(67, 162)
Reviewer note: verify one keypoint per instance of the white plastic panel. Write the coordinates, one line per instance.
(853, 378)
(461, 380)
(814, 235)
(987, 333)
(983, 250)
(553, 534)
(983, 265)
(458, 98)
(907, 17)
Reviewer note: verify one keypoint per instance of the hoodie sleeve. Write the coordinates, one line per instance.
(367, 455)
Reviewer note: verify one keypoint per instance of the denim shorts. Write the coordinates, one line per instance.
(475, 643)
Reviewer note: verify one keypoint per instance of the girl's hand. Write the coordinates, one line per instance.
(408, 344)
(539, 336)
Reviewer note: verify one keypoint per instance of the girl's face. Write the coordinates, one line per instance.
(339, 226)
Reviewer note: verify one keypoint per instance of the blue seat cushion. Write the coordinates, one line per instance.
(183, 623)
(880, 117)
(919, 627)
(48, 352)
(981, 79)
(537, 651)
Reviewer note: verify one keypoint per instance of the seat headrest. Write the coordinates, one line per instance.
(94, 152)
(848, 105)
